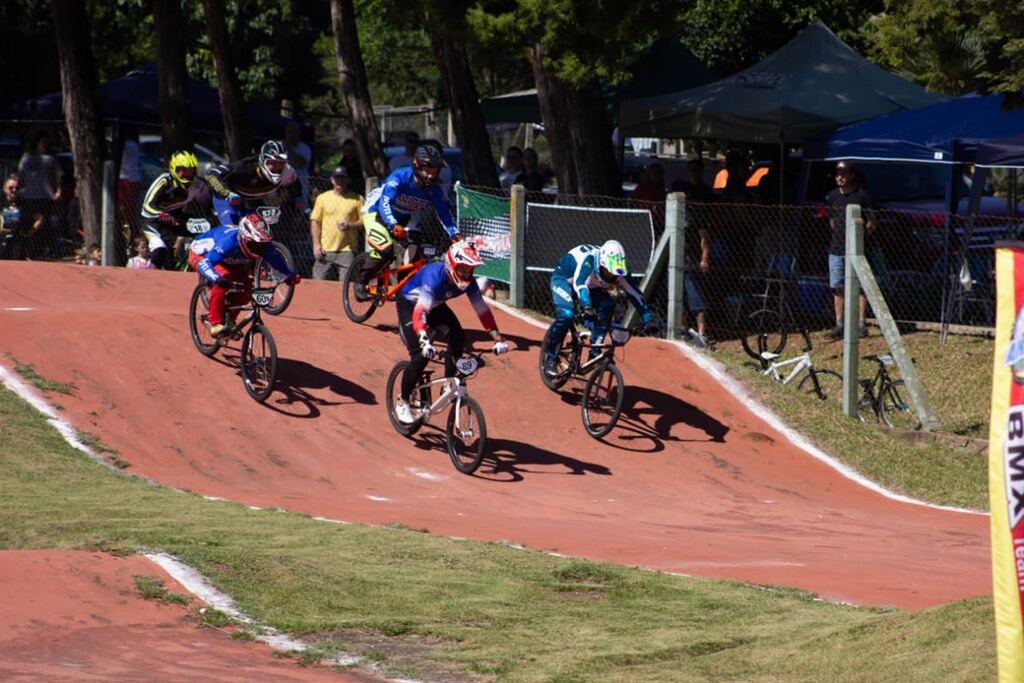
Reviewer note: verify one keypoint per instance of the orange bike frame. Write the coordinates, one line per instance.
(404, 273)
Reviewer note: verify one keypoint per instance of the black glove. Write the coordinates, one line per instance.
(588, 313)
(223, 283)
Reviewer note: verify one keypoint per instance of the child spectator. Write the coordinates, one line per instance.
(141, 259)
(93, 256)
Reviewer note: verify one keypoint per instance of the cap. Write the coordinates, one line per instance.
(844, 165)
(339, 172)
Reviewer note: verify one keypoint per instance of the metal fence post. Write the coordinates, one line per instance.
(675, 227)
(517, 253)
(370, 184)
(108, 236)
(851, 308)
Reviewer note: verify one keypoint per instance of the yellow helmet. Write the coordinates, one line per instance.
(183, 167)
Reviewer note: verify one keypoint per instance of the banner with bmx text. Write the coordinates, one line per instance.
(1006, 462)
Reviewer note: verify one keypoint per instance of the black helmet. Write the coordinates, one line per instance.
(427, 164)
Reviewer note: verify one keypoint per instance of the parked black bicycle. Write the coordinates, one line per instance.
(885, 398)
(603, 392)
(767, 318)
(258, 352)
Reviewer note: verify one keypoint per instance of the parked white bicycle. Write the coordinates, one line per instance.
(822, 383)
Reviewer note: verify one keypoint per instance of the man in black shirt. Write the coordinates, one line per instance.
(848, 191)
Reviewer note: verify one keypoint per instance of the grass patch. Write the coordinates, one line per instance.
(30, 375)
(214, 618)
(958, 379)
(438, 608)
(152, 588)
(94, 443)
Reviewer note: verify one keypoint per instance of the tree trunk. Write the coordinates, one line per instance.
(78, 86)
(463, 99)
(354, 89)
(554, 113)
(236, 128)
(597, 171)
(172, 76)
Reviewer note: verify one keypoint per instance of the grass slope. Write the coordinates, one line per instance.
(440, 609)
(958, 380)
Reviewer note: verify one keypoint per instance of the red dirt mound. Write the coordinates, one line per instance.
(690, 481)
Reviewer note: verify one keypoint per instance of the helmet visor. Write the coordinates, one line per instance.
(464, 272)
(257, 248)
(617, 265)
(185, 172)
(275, 165)
(429, 173)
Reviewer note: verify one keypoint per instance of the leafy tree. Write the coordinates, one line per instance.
(236, 128)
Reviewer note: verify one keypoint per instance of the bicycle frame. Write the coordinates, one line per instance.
(454, 389)
(608, 351)
(802, 362)
(404, 272)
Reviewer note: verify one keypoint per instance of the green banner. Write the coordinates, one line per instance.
(483, 220)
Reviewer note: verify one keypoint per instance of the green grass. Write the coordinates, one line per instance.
(152, 588)
(29, 374)
(958, 380)
(431, 607)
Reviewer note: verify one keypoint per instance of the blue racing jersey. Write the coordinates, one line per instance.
(430, 287)
(400, 199)
(221, 246)
(580, 266)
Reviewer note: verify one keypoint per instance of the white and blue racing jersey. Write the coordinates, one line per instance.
(580, 266)
(220, 246)
(431, 287)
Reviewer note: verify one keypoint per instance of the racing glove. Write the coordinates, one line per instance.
(398, 231)
(223, 283)
(427, 349)
(500, 347)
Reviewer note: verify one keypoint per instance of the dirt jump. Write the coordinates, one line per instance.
(691, 481)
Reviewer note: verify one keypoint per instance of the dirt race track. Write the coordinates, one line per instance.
(690, 482)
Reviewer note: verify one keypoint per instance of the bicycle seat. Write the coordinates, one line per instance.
(884, 359)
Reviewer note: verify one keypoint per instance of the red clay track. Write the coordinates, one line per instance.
(78, 616)
(692, 482)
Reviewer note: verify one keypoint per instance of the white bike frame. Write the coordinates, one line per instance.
(802, 362)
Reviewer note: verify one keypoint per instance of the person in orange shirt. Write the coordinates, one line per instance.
(335, 224)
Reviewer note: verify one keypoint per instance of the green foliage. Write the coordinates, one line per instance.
(956, 46)
(396, 49)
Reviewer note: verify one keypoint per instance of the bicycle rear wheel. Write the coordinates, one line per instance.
(566, 359)
(199, 321)
(259, 362)
(356, 310)
(419, 401)
(763, 331)
(268, 276)
(602, 400)
(466, 435)
(829, 384)
(895, 406)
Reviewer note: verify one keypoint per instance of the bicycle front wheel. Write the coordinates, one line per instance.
(466, 435)
(763, 332)
(566, 359)
(268, 276)
(419, 401)
(199, 321)
(356, 310)
(895, 406)
(825, 384)
(259, 362)
(602, 400)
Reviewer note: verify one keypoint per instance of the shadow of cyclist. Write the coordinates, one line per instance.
(482, 341)
(295, 379)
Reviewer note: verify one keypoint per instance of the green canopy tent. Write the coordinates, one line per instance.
(665, 66)
(812, 85)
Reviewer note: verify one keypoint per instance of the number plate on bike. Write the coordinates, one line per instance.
(467, 365)
(271, 214)
(262, 297)
(429, 250)
(197, 226)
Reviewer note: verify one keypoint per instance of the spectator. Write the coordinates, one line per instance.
(40, 175)
(130, 184)
(849, 190)
(412, 141)
(694, 187)
(651, 187)
(512, 168)
(17, 225)
(531, 178)
(737, 166)
(335, 226)
(350, 160)
(299, 158)
(697, 257)
(141, 259)
(93, 256)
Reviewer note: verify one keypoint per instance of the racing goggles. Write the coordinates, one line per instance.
(185, 172)
(429, 173)
(275, 165)
(464, 272)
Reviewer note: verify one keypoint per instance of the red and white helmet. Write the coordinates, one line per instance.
(254, 235)
(460, 262)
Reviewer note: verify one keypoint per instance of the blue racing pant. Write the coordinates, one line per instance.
(565, 310)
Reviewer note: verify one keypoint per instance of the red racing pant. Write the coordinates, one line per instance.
(219, 296)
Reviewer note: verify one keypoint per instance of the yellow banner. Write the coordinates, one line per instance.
(1006, 463)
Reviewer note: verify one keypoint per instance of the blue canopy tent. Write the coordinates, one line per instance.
(133, 99)
(1004, 153)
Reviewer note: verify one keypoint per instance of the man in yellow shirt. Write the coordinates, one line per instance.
(335, 225)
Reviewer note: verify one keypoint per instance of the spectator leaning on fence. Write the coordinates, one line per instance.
(17, 223)
(335, 227)
(40, 175)
(848, 191)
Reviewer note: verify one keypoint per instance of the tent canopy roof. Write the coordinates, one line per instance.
(813, 84)
(134, 99)
(946, 132)
(1007, 152)
(665, 66)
